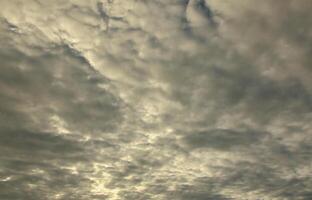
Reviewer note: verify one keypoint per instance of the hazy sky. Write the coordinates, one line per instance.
(155, 99)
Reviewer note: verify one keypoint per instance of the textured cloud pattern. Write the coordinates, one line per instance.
(155, 99)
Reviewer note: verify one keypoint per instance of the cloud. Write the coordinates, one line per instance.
(155, 99)
(222, 139)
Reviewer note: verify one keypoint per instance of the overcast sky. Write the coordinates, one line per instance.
(155, 99)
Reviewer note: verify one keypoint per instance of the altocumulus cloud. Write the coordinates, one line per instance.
(144, 99)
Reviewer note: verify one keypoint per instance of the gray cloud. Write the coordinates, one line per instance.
(222, 139)
(155, 99)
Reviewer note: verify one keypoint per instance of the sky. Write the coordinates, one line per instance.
(155, 100)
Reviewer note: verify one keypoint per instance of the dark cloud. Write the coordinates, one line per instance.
(223, 139)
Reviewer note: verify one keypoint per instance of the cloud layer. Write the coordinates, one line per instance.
(181, 100)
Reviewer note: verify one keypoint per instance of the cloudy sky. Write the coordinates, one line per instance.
(155, 99)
